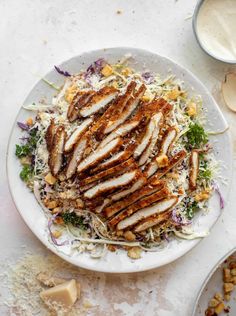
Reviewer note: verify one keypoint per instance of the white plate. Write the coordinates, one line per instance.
(214, 284)
(119, 262)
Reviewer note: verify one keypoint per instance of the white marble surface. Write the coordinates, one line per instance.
(35, 35)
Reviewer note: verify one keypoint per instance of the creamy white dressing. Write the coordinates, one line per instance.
(216, 28)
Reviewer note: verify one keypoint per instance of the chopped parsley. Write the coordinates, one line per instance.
(75, 220)
(191, 210)
(196, 136)
(26, 173)
(22, 151)
(30, 146)
(204, 171)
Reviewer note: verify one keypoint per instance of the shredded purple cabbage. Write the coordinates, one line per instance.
(177, 219)
(94, 69)
(23, 126)
(54, 240)
(217, 189)
(62, 72)
(165, 236)
(48, 188)
(24, 139)
(147, 77)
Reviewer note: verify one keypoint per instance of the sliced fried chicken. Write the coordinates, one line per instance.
(130, 91)
(151, 187)
(141, 181)
(142, 203)
(76, 157)
(113, 110)
(121, 117)
(168, 140)
(174, 161)
(100, 154)
(56, 152)
(120, 131)
(154, 165)
(50, 134)
(137, 185)
(194, 167)
(151, 168)
(72, 105)
(115, 159)
(111, 184)
(146, 139)
(165, 106)
(77, 103)
(148, 151)
(130, 163)
(98, 101)
(146, 110)
(152, 221)
(154, 209)
(74, 137)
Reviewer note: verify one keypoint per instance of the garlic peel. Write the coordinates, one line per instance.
(228, 89)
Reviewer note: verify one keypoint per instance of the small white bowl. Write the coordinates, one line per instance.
(195, 31)
(213, 284)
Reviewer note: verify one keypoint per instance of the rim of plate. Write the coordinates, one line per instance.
(124, 50)
(209, 276)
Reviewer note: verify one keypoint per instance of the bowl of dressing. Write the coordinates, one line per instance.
(214, 25)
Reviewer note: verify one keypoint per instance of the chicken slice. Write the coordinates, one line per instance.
(166, 143)
(98, 101)
(166, 107)
(99, 154)
(157, 208)
(194, 167)
(74, 137)
(149, 188)
(115, 159)
(144, 111)
(130, 91)
(168, 140)
(174, 161)
(50, 134)
(137, 185)
(121, 117)
(142, 203)
(113, 109)
(145, 140)
(152, 221)
(130, 163)
(80, 99)
(111, 184)
(147, 153)
(120, 131)
(73, 103)
(122, 193)
(127, 165)
(56, 153)
(153, 166)
(76, 157)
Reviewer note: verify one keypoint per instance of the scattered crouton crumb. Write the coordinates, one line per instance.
(134, 252)
(87, 304)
